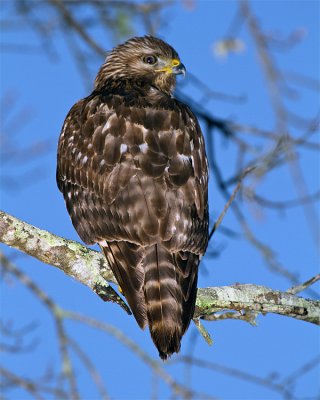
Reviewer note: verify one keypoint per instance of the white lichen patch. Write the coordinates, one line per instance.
(9, 236)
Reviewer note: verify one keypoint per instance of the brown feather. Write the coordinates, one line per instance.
(163, 300)
(125, 260)
(133, 171)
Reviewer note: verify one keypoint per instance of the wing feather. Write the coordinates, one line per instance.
(134, 174)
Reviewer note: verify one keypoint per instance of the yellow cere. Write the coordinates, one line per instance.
(175, 62)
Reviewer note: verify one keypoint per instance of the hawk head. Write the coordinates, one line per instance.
(144, 59)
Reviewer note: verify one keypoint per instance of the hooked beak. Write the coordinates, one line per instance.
(179, 69)
(174, 67)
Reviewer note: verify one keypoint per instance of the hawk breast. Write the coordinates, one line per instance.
(133, 172)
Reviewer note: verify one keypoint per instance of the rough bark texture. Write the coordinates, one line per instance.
(255, 299)
(91, 269)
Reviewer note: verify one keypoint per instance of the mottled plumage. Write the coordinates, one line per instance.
(133, 171)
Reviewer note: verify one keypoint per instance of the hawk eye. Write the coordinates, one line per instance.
(150, 60)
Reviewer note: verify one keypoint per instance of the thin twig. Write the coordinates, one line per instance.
(96, 377)
(298, 373)
(153, 364)
(228, 204)
(67, 368)
(303, 286)
(233, 372)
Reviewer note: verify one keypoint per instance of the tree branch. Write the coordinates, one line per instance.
(81, 263)
(249, 300)
(91, 269)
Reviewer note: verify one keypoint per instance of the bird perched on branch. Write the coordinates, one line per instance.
(133, 171)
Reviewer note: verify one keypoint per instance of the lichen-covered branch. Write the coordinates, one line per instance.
(91, 269)
(85, 265)
(249, 300)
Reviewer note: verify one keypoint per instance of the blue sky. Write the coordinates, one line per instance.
(49, 86)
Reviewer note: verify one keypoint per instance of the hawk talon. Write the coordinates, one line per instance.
(107, 293)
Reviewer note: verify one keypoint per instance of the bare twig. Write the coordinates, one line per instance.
(297, 374)
(233, 372)
(281, 205)
(204, 333)
(282, 115)
(228, 204)
(75, 25)
(303, 286)
(67, 372)
(32, 387)
(90, 368)
(153, 364)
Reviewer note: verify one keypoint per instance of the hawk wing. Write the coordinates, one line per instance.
(134, 176)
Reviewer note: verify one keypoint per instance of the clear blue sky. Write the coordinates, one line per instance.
(49, 86)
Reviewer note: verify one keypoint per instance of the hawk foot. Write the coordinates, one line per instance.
(107, 293)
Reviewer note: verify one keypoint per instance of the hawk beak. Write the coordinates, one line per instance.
(173, 67)
(179, 69)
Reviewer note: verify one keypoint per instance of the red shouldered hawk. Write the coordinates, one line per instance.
(133, 171)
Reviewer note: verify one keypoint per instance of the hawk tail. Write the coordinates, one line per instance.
(164, 302)
(125, 260)
(160, 287)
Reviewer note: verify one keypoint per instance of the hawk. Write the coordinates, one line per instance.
(133, 171)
